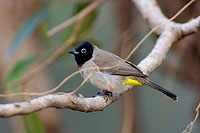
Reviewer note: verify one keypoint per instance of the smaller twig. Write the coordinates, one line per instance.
(85, 80)
(55, 88)
(103, 76)
(40, 68)
(77, 17)
(197, 114)
(190, 127)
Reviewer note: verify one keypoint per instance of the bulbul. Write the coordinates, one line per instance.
(119, 75)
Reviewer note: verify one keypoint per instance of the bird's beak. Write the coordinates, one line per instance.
(73, 51)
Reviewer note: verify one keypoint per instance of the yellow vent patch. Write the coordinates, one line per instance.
(133, 82)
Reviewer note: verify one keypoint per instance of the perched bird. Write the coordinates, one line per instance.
(119, 75)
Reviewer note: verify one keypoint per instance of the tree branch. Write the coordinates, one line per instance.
(169, 33)
(57, 101)
(151, 13)
(172, 33)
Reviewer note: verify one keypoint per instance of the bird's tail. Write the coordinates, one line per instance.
(161, 89)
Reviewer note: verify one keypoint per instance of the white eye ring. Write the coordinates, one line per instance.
(83, 50)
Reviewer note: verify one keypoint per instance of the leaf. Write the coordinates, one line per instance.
(26, 30)
(33, 123)
(42, 29)
(17, 71)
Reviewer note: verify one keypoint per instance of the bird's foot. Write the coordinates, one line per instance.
(105, 94)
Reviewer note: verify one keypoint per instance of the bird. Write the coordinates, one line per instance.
(118, 74)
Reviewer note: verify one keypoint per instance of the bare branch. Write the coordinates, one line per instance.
(78, 17)
(57, 101)
(172, 33)
(151, 12)
(190, 126)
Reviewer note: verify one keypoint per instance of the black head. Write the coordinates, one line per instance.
(83, 52)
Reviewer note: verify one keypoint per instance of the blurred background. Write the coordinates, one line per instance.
(116, 25)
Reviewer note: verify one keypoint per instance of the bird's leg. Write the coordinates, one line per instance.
(108, 93)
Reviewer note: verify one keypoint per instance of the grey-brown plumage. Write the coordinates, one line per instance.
(114, 78)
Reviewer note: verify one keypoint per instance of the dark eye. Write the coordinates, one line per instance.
(83, 50)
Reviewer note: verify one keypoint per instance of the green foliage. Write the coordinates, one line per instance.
(17, 71)
(42, 29)
(33, 123)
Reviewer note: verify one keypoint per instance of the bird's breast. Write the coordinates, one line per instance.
(104, 80)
